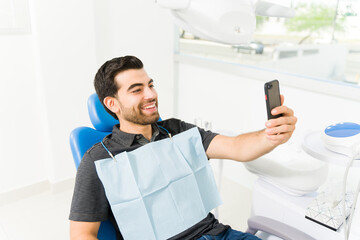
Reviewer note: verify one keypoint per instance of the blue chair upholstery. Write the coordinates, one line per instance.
(99, 117)
(83, 138)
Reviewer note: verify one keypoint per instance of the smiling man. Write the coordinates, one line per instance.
(136, 104)
(128, 94)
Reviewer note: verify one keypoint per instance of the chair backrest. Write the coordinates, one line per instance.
(83, 138)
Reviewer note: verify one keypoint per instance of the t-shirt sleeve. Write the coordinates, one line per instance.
(206, 136)
(89, 203)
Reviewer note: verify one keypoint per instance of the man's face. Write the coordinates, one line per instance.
(137, 97)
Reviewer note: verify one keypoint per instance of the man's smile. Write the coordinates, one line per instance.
(150, 107)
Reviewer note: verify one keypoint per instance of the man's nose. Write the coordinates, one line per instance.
(150, 93)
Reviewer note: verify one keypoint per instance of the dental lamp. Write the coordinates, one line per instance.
(225, 21)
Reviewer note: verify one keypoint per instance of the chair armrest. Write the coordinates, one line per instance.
(279, 229)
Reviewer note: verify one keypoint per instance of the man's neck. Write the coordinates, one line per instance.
(129, 127)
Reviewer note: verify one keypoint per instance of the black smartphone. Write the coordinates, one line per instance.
(272, 97)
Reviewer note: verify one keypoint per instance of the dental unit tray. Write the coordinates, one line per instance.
(323, 211)
(315, 147)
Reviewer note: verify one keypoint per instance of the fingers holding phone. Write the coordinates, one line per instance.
(281, 120)
(272, 97)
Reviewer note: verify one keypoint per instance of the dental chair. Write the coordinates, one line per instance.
(292, 184)
(287, 183)
(83, 138)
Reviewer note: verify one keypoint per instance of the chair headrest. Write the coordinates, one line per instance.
(100, 118)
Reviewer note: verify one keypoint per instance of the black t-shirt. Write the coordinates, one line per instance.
(89, 203)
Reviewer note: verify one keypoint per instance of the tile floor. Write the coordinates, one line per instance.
(45, 216)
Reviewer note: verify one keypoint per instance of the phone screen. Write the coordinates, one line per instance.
(272, 97)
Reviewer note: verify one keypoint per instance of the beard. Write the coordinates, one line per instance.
(136, 115)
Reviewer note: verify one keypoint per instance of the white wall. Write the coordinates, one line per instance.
(44, 76)
(235, 103)
(20, 129)
(47, 76)
(64, 44)
(140, 28)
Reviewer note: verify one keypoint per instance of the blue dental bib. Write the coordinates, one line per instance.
(160, 189)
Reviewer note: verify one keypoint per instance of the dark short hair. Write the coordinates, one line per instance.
(104, 81)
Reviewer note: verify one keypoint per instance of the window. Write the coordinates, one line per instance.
(321, 42)
(14, 16)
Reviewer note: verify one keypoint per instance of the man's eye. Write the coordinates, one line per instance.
(151, 86)
(136, 91)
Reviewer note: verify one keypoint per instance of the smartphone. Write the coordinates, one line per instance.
(272, 97)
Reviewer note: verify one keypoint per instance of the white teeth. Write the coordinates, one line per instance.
(151, 106)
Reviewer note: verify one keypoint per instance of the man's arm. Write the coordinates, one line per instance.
(84, 230)
(249, 146)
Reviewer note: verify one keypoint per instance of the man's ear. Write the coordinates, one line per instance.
(112, 104)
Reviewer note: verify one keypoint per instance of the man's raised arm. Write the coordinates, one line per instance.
(249, 146)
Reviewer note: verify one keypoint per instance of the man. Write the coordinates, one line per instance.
(128, 94)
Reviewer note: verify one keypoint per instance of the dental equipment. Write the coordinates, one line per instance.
(340, 144)
(343, 138)
(225, 21)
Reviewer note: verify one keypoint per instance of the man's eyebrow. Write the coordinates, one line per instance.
(138, 85)
(134, 85)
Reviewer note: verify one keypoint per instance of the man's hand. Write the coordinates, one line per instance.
(279, 130)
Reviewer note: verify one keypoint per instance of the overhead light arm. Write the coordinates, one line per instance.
(225, 21)
(264, 8)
